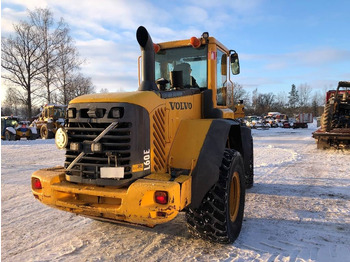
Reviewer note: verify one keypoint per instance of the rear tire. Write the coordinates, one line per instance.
(219, 217)
(326, 118)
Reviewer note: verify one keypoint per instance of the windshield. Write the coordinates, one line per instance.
(191, 61)
(11, 122)
(57, 112)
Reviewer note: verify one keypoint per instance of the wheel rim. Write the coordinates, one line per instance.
(44, 131)
(235, 192)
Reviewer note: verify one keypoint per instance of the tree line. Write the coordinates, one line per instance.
(41, 65)
(301, 99)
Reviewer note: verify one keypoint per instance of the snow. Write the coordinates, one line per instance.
(298, 210)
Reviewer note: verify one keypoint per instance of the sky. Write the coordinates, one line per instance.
(279, 42)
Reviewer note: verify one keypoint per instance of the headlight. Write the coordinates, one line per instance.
(71, 113)
(96, 147)
(116, 112)
(74, 146)
(61, 138)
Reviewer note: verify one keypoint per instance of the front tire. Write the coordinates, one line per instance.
(45, 133)
(219, 217)
(9, 136)
(249, 173)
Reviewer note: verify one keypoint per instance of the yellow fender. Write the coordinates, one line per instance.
(198, 149)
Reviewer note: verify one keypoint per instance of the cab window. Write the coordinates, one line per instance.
(191, 61)
(221, 79)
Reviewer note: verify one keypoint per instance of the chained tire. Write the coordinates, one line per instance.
(326, 118)
(249, 174)
(219, 217)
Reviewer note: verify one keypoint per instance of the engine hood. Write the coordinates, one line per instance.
(147, 99)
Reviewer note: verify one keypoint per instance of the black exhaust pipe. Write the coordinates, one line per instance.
(148, 60)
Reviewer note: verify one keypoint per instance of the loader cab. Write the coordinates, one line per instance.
(203, 64)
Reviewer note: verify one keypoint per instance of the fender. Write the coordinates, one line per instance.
(199, 146)
(11, 129)
(33, 130)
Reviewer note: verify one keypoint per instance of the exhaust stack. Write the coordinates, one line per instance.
(148, 60)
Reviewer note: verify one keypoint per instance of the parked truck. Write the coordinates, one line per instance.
(302, 120)
(335, 120)
(174, 145)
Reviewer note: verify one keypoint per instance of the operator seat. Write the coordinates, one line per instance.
(186, 73)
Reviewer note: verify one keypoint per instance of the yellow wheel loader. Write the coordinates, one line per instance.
(174, 145)
(49, 120)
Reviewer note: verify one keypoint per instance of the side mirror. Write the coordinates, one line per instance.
(235, 69)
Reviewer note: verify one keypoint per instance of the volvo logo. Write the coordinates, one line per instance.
(180, 105)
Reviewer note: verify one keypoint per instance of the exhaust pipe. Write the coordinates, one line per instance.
(148, 60)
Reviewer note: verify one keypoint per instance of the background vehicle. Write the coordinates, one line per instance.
(271, 121)
(50, 119)
(335, 120)
(13, 129)
(142, 157)
(302, 119)
(256, 122)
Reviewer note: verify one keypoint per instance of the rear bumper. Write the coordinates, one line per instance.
(134, 204)
(335, 134)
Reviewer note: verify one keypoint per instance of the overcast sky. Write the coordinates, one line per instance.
(279, 42)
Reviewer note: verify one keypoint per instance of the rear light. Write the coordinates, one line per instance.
(36, 184)
(161, 197)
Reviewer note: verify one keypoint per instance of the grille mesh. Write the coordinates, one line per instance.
(159, 158)
(116, 141)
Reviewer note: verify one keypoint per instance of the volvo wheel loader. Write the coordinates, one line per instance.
(174, 145)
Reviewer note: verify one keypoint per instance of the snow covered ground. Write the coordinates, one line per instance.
(298, 210)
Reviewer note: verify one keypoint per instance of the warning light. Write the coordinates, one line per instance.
(156, 48)
(161, 197)
(195, 42)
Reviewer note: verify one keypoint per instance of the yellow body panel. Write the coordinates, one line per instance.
(188, 143)
(147, 99)
(134, 204)
(239, 111)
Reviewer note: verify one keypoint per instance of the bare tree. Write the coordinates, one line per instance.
(20, 57)
(50, 35)
(281, 101)
(304, 91)
(79, 85)
(103, 90)
(67, 64)
(264, 103)
(240, 94)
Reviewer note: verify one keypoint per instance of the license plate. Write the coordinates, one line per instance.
(112, 172)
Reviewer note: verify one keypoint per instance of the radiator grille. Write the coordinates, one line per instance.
(116, 142)
(122, 146)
